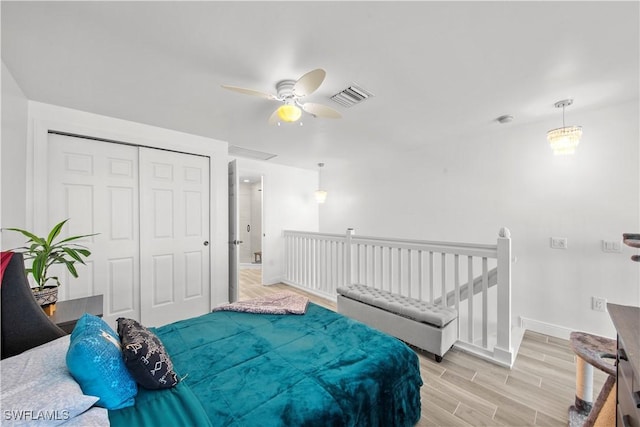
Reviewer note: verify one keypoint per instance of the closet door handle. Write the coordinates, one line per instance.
(206, 243)
(248, 228)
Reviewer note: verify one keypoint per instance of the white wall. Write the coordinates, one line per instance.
(13, 155)
(288, 204)
(44, 117)
(465, 190)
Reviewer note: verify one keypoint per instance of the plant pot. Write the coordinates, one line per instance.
(48, 295)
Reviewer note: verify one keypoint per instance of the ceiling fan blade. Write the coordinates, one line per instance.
(320, 110)
(274, 118)
(250, 92)
(308, 83)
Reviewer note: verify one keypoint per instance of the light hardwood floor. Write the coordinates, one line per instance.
(466, 391)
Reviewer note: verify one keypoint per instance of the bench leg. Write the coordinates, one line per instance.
(438, 358)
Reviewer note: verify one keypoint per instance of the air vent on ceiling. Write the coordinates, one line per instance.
(251, 154)
(351, 96)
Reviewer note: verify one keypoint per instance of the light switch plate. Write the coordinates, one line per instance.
(559, 243)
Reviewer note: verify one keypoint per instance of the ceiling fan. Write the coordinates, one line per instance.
(289, 93)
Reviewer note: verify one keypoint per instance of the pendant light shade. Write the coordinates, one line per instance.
(321, 195)
(564, 140)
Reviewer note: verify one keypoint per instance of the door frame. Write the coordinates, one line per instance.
(233, 183)
(45, 118)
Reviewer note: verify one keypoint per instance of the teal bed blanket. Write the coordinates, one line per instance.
(316, 369)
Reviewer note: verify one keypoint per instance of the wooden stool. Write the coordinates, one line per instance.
(592, 351)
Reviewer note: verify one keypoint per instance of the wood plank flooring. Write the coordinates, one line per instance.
(466, 391)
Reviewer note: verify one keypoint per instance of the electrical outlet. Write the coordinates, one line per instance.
(598, 304)
(559, 243)
(613, 246)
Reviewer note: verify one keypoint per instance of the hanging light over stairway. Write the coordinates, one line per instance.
(564, 140)
(321, 195)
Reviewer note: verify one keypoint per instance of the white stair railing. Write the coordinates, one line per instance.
(475, 279)
(315, 262)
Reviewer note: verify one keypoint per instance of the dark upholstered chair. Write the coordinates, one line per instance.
(24, 324)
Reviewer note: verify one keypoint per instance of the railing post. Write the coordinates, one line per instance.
(286, 254)
(503, 348)
(347, 248)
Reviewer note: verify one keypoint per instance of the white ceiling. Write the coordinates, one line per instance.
(438, 70)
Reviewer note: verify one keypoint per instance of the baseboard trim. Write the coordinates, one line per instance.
(311, 291)
(250, 266)
(545, 328)
(517, 335)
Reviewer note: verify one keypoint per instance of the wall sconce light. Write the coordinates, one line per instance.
(321, 195)
(564, 140)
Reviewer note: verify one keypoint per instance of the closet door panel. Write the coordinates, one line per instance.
(121, 285)
(162, 213)
(122, 213)
(174, 231)
(95, 185)
(193, 213)
(194, 285)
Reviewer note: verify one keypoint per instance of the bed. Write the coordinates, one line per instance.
(243, 369)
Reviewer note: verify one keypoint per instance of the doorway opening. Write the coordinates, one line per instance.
(250, 223)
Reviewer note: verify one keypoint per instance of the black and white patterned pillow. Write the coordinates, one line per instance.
(145, 356)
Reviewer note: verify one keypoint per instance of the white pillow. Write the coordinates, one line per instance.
(36, 386)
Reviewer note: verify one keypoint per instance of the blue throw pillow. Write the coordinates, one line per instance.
(95, 361)
(89, 322)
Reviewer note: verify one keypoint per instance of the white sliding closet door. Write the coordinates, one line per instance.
(95, 185)
(174, 230)
(150, 207)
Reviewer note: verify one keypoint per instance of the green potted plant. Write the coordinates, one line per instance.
(45, 252)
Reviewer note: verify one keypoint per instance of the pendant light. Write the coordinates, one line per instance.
(321, 195)
(564, 140)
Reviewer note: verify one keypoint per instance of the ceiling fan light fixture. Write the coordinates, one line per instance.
(290, 92)
(289, 113)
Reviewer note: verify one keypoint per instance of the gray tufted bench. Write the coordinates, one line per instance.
(431, 328)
